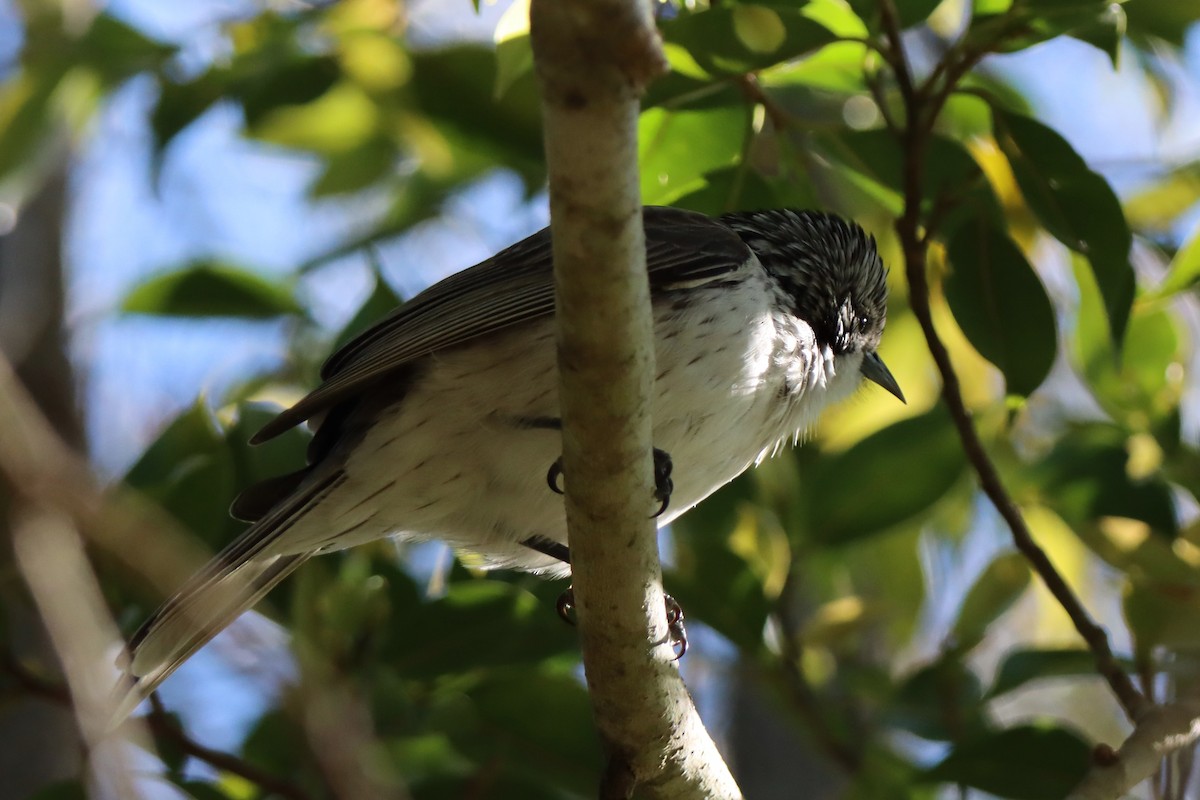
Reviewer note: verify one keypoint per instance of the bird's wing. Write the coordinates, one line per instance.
(683, 249)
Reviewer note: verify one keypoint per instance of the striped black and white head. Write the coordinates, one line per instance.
(829, 272)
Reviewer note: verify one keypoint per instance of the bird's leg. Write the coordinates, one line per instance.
(663, 485)
(566, 601)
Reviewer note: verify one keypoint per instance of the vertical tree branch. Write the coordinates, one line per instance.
(921, 113)
(593, 59)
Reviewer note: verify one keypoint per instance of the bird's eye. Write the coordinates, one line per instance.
(863, 322)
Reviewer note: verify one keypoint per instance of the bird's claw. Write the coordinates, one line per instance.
(552, 475)
(676, 632)
(566, 605)
(663, 485)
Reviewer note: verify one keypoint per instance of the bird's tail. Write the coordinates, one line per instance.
(233, 581)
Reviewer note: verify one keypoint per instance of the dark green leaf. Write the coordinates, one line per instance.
(994, 592)
(115, 50)
(1086, 477)
(732, 40)
(558, 742)
(1005, 30)
(190, 472)
(952, 180)
(842, 511)
(1162, 19)
(211, 289)
(181, 104)
(1023, 666)
(279, 456)
(993, 286)
(1076, 205)
(454, 88)
(479, 623)
(62, 790)
(940, 701)
(264, 84)
(1023, 763)
(709, 580)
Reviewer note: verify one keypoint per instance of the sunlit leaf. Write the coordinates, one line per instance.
(733, 40)
(676, 149)
(1184, 272)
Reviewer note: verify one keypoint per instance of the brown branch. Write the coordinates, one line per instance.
(915, 242)
(163, 726)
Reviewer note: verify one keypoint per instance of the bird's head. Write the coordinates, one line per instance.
(829, 271)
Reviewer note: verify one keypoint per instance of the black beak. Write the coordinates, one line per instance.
(873, 369)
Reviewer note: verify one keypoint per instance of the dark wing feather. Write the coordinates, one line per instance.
(683, 249)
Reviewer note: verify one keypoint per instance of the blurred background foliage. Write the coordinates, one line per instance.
(861, 624)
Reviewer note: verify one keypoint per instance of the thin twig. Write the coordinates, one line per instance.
(164, 727)
(915, 137)
(161, 724)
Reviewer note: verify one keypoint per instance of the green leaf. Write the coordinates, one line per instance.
(514, 53)
(1076, 205)
(1166, 198)
(1023, 666)
(711, 581)
(910, 12)
(1137, 380)
(265, 84)
(1162, 615)
(1086, 477)
(1167, 20)
(478, 624)
(994, 592)
(940, 701)
(189, 471)
(733, 40)
(211, 289)
(952, 179)
(833, 487)
(281, 455)
(356, 169)
(1184, 272)
(62, 790)
(181, 104)
(1008, 28)
(116, 50)
(558, 743)
(677, 148)
(454, 88)
(991, 287)
(1022, 763)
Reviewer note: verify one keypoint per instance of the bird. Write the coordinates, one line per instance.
(439, 422)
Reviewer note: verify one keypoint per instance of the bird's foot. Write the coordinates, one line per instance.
(676, 632)
(663, 485)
